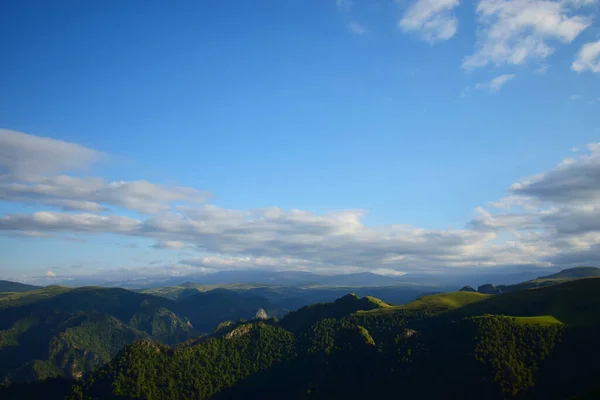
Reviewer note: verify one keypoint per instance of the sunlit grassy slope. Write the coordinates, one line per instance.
(445, 301)
(543, 320)
(573, 303)
(436, 303)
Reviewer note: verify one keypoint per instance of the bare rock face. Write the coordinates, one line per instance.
(261, 314)
(239, 331)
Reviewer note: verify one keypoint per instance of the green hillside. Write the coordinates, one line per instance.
(553, 279)
(528, 344)
(12, 299)
(455, 345)
(15, 287)
(573, 302)
(57, 331)
(351, 303)
(575, 273)
(444, 301)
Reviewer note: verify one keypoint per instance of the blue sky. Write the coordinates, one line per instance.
(417, 112)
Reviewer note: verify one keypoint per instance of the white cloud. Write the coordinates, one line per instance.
(561, 224)
(88, 194)
(170, 244)
(575, 181)
(515, 31)
(26, 156)
(388, 272)
(574, 97)
(588, 58)
(496, 83)
(550, 218)
(432, 19)
(50, 274)
(333, 240)
(357, 29)
(29, 162)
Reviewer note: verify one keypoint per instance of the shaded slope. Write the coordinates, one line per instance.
(575, 302)
(14, 299)
(307, 316)
(8, 286)
(575, 273)
(58, 331)
(553, 279)
(254, 346)
(80, 329)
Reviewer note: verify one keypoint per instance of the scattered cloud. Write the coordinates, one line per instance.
(388, 272)
(542, 69)
(516, 31)
(170, 244)
(552, 218)
(588, 58)
(496, 83)
(433, 20)
(50, 274)
(89, 194)
(574, 97)
(30, 162)
(357, 29)
(26, 156)
(571, 182)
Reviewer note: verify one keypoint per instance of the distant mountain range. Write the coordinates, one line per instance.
(455, 278)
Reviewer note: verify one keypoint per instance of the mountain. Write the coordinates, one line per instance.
(309, 315)
(295, 278)
(8, 286)
(12, 299)
(532, 344)
(543, 281)
(575, 273)
(359, 279)
(292, 297)
(57, 331)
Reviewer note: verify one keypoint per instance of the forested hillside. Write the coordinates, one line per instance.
(529, 344)
(62, 332)
(439, 346)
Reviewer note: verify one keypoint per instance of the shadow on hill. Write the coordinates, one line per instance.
(337, 374)
(54, 388)
(573, 303)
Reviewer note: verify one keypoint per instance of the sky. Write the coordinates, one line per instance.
(331, 136)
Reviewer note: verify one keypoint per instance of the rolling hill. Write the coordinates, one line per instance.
(525, 344)
(57, 331)
(544, 281)
(575, 273)
(16, 287)
(460, 345)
